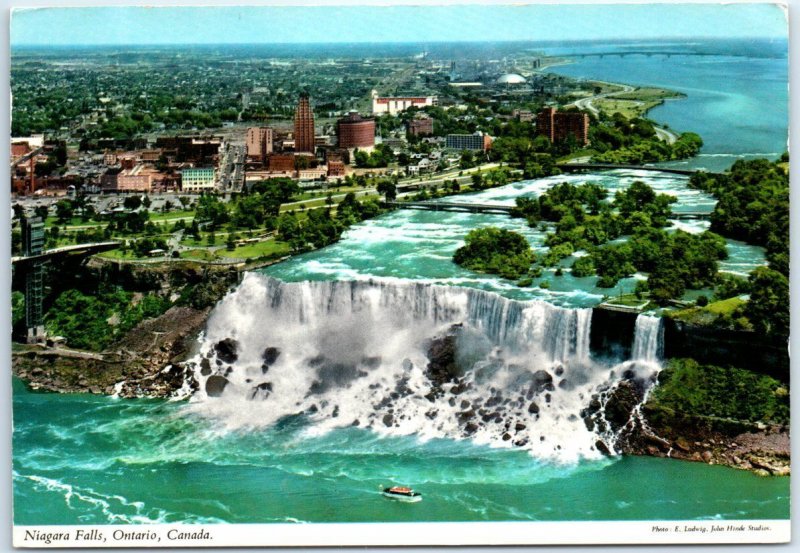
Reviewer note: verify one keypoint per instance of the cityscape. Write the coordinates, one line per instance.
(509, 273)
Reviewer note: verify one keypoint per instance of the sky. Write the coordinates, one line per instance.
(327, 24)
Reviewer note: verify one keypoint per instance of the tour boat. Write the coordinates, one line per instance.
(402, 493)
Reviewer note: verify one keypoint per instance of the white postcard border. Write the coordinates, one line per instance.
(405, 534)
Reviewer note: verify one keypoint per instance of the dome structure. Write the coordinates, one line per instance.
(511, 78)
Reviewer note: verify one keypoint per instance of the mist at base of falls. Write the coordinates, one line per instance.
(405, 358)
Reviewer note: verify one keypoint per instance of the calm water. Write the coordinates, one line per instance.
(83, 459)
(738, 103)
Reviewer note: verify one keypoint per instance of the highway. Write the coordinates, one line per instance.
(587, 104)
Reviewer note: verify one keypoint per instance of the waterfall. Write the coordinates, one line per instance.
(648, 341)
(402, 357)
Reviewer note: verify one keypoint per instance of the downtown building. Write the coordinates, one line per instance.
(260, 143)
(558, 127)
(198, 179)
(304, 126)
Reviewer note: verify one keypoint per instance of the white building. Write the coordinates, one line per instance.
(198, 179)
(394, 105)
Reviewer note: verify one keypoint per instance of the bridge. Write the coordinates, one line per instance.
(575, 167)
(683, 215)
(454, 206)
(83, 249)
(22, 159)
(508, 209)
(647, 53)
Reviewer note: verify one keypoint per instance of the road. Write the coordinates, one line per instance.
(587, 104)
(666, 135)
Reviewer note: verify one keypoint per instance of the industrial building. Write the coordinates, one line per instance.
(394, 105)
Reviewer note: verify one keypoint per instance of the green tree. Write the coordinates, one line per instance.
(768, 308)
(388, 189)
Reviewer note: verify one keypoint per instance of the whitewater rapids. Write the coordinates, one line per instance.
(371, 354)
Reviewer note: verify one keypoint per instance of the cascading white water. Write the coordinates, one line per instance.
(373, 354)
(648, 340)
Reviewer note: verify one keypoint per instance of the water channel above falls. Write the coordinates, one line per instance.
(419, 245)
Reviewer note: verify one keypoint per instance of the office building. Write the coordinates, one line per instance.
(477, 141)
(304, 126)
(260, 142)
(198, 179)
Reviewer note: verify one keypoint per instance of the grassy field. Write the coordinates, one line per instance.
(648, 94)
(171, 216)
(710, 313)
(628, 300)
(636, 103)
(259, 249)
(255, 250)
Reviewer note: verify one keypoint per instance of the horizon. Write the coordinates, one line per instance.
(181, 25)
(404, 42)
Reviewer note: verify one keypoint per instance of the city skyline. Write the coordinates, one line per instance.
(141, 25)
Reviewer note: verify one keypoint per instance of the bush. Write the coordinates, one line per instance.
(688, 387)
(701, 301)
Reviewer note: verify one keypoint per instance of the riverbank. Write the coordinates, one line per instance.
(146, 362)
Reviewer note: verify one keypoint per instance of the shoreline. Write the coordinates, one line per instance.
(631, 88)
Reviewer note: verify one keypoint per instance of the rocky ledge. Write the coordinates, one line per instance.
(147, 362)
(653, 430)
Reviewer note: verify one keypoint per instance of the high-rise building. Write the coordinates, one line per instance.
(304, 126)
(559, 126)
(260, 141)
(354, 131)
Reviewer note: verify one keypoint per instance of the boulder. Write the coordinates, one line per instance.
(270, 355)
(215, 385)
(227, 350)
(541, 381)
(442, 360)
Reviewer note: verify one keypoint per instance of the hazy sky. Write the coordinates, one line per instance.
(196, 25)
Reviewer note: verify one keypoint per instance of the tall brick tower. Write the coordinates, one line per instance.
(304, 126)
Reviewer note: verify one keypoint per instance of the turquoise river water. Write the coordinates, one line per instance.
(341, 407)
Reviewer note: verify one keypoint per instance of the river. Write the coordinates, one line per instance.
(339, 407)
